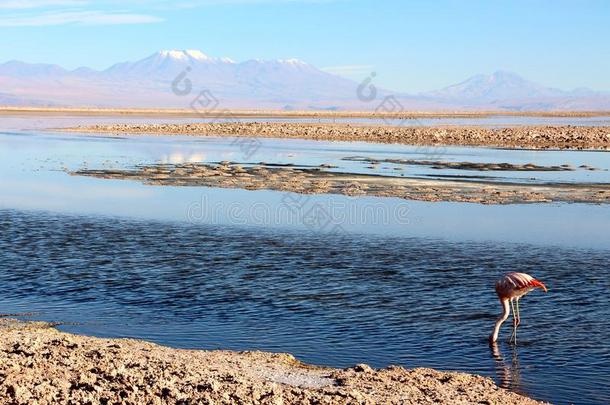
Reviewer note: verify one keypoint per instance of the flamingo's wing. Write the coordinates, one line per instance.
(520, 281)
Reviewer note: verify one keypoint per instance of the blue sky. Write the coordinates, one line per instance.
(411, 45)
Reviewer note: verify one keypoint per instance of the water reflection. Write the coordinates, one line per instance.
(182, 157)
(508, 373)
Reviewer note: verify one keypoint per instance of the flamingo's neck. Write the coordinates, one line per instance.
(500, 320)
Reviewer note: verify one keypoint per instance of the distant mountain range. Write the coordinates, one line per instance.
(175, 78)
(509, 91)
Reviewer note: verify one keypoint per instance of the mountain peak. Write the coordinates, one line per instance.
(195, 54)
(505, 73)
(500, 85)
(293, 62)
(189, 55)
(498, 74)
(183, 54)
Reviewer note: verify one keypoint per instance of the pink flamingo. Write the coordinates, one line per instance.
(510, 288)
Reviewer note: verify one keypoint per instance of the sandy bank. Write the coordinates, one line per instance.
(541, 137)
(39, 364)
(319, 181)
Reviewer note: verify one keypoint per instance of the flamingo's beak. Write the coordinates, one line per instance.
(539, 284)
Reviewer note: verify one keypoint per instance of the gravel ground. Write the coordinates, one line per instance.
(41, 365)
(541, 137)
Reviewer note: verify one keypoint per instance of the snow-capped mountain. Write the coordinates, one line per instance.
(167, 62)
(263, 84)
(282, 83)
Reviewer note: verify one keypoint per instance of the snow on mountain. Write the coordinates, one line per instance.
(256, 83)
(148, 82)
(184, 55)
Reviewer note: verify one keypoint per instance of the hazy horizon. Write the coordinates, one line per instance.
(330, 70)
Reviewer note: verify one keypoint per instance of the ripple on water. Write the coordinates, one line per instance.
(334, 300)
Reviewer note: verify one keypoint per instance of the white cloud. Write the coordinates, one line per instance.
(29, 4)
(203, 3)
(77, 17)
(33, 13)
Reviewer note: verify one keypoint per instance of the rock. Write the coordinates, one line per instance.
(363, 368)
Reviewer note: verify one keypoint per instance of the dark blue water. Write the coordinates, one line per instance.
(332, 300)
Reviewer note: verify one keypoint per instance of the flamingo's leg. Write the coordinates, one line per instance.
(513, 337)
(517, 319)
(518, 313)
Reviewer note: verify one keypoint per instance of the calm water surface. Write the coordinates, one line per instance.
(407, 283)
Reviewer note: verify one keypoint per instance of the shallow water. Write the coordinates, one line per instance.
(56, 151)
(402, 282)
(32, 164)
(333, 300)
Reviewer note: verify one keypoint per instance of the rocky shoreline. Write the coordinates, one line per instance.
(528, 137)
(39, 364)
(317, 180)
